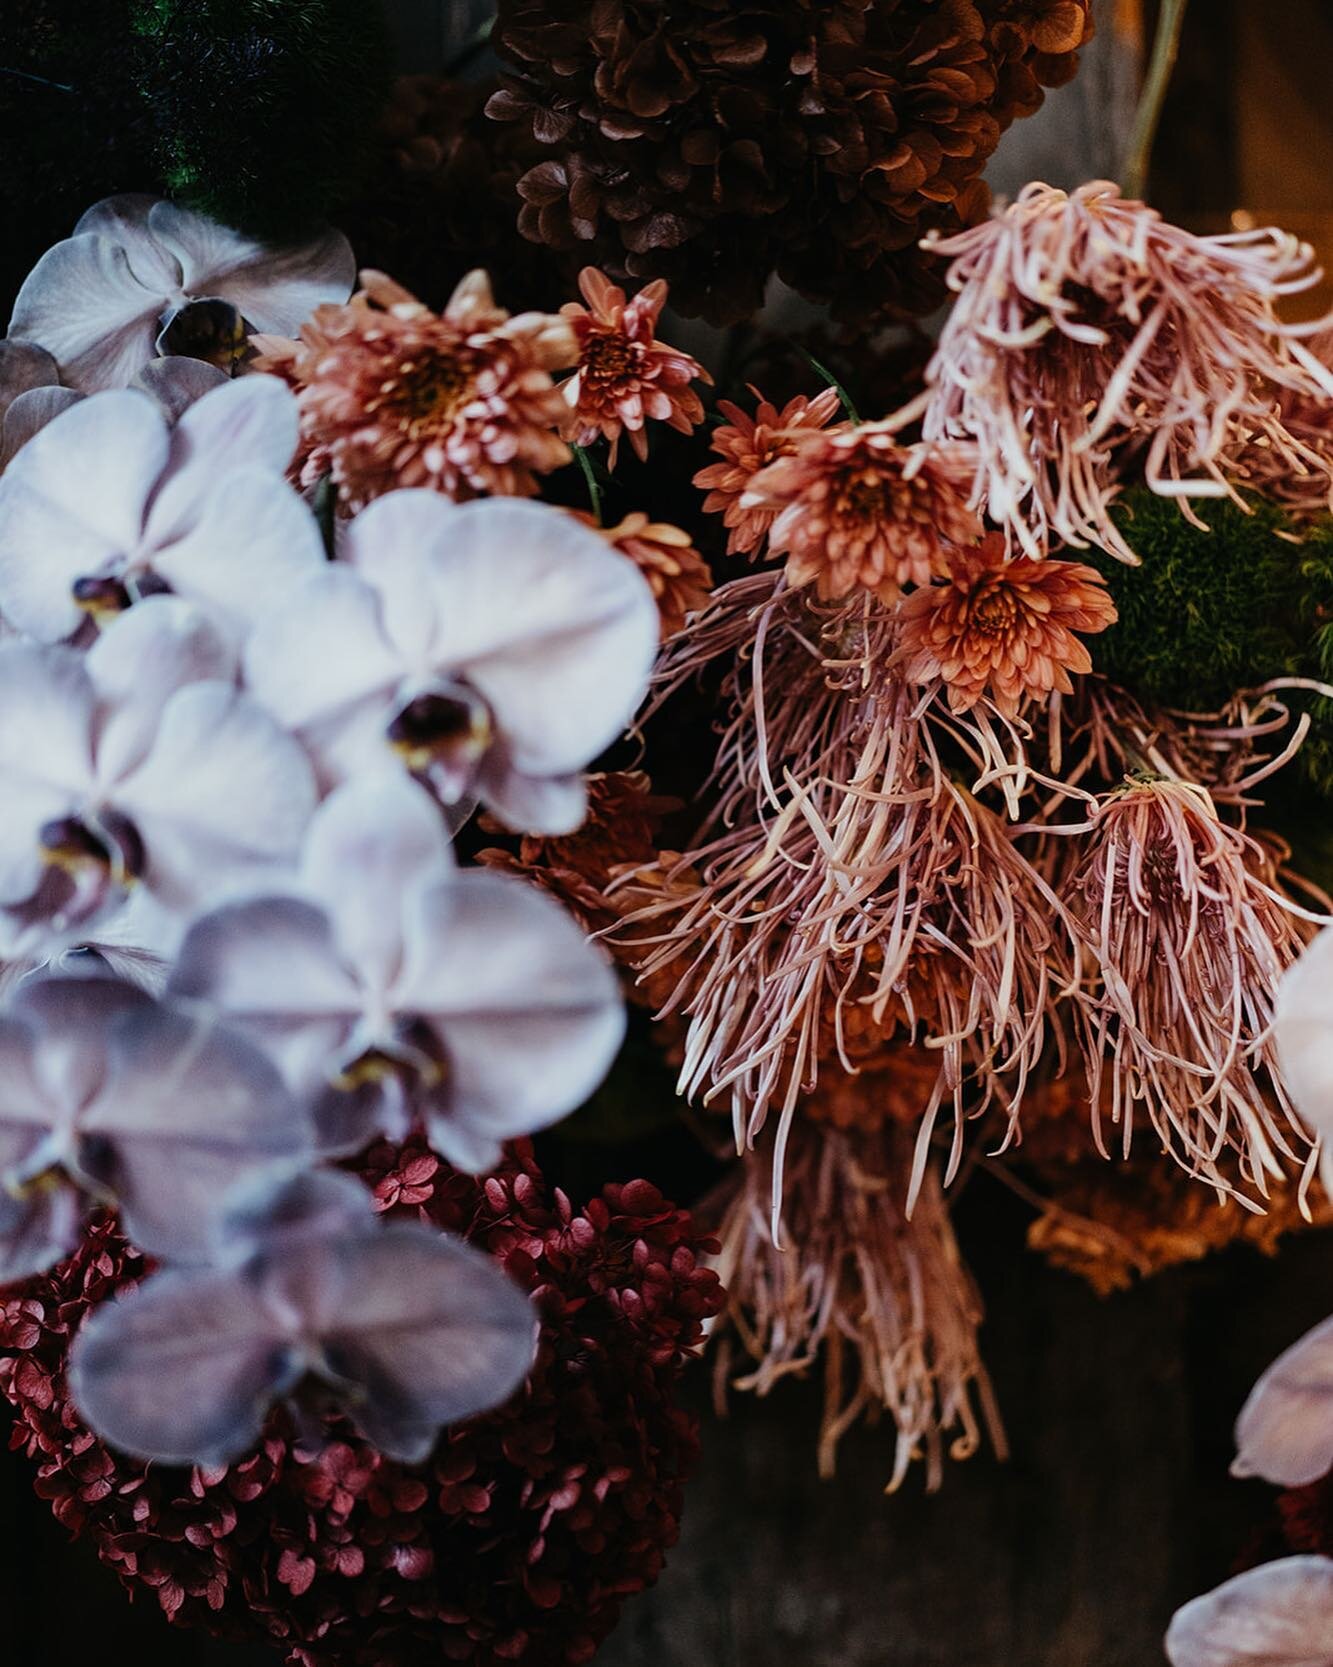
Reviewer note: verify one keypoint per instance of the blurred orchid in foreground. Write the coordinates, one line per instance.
(110, 502)
(395, 988)
(410, 1328)
(105, 1093)
(137, 763)
(1278, 1615)
(495, 647)
(140, 278)
(1303, 1027)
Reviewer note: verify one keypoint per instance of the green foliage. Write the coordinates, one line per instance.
(1212, 612)
(263, 111)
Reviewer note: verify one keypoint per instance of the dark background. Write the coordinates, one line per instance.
(1115, 1505)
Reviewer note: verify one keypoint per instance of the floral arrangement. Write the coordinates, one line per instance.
(418, 670)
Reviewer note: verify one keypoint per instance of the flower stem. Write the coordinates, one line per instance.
(1166, 45)
(853, 416)
(594, 491)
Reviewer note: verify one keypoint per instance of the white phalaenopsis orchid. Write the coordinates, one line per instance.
(110, 501)
(409, 1327)
(1285, 1429)
(141, 277)
(108, 1095)
(1277, 1615)
(397, 989)
(495, 647)
(137, 766)
(1303, 1027)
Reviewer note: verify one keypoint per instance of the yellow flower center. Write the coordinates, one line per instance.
(426, 394)
(994, 612)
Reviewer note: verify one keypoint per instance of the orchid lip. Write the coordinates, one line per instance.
(203, 328)
(443, 734)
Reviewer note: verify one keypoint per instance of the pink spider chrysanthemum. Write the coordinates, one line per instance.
(1089, 334)
(886, 1299)
(1184, 917)
(625, 376)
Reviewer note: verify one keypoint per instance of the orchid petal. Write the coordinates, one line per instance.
(324, 652)
(223, 796)
(252, 420)
(70, 1020)
(37, 1229)
(142, 658)
(28, 414)
(1277, 1615)
(1285, 1429)
(46, 716)
(73, 499)
(252, 540)
(125, 220)
(429, 1330)
(529, 1010)
(27, 1116)
(372, 846)
(23, 367)
(182, 1369)
(85, 305)
(274, 289)
(276, 1212)
(176, 382)
(1303, 1028)
(532, 804)
(189, 1108)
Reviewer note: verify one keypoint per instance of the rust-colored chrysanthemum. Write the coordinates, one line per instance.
(625, 376)
(1090, 339)
(1001, 628)
(393, 394)
(852, 508)
(748, 444)
(677, 574)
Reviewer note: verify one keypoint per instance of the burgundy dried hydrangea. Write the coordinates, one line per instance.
(709, 143)
(517, 1542)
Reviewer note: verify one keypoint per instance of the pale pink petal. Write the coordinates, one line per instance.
(324, 652)
(38, 1229)
(532, 804)
(222, 799)
(252, 539)
(73, 500)
(1303, 1027)
(249, 421)
(529, 1010)
(46, 716)
(24, 366)
(274, 289)
(372, 846)
(1285, 1429)
(124, 220)
(28, 414)
(83, 303)
(176, 382)
(1278, 1615)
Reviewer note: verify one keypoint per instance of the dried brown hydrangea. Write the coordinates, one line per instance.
(710, 143)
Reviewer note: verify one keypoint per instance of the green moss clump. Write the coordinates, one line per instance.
(1209, 613)
(264, 111)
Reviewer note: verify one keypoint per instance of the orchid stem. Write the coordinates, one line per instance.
(594, 491)
(1165, 48)
(853, 415)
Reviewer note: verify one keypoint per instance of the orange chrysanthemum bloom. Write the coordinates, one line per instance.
(625, 375)
(748, 444)
(853, 507)
(677, 574)
(393, 394)
(1002, 628)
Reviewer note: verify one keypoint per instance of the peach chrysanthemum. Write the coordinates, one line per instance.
(676, 573)
(854, 508)
(748, 444)
(1003, 628)
(625, 376)
(1089, 336)
(1185, 920)
(392, 394)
